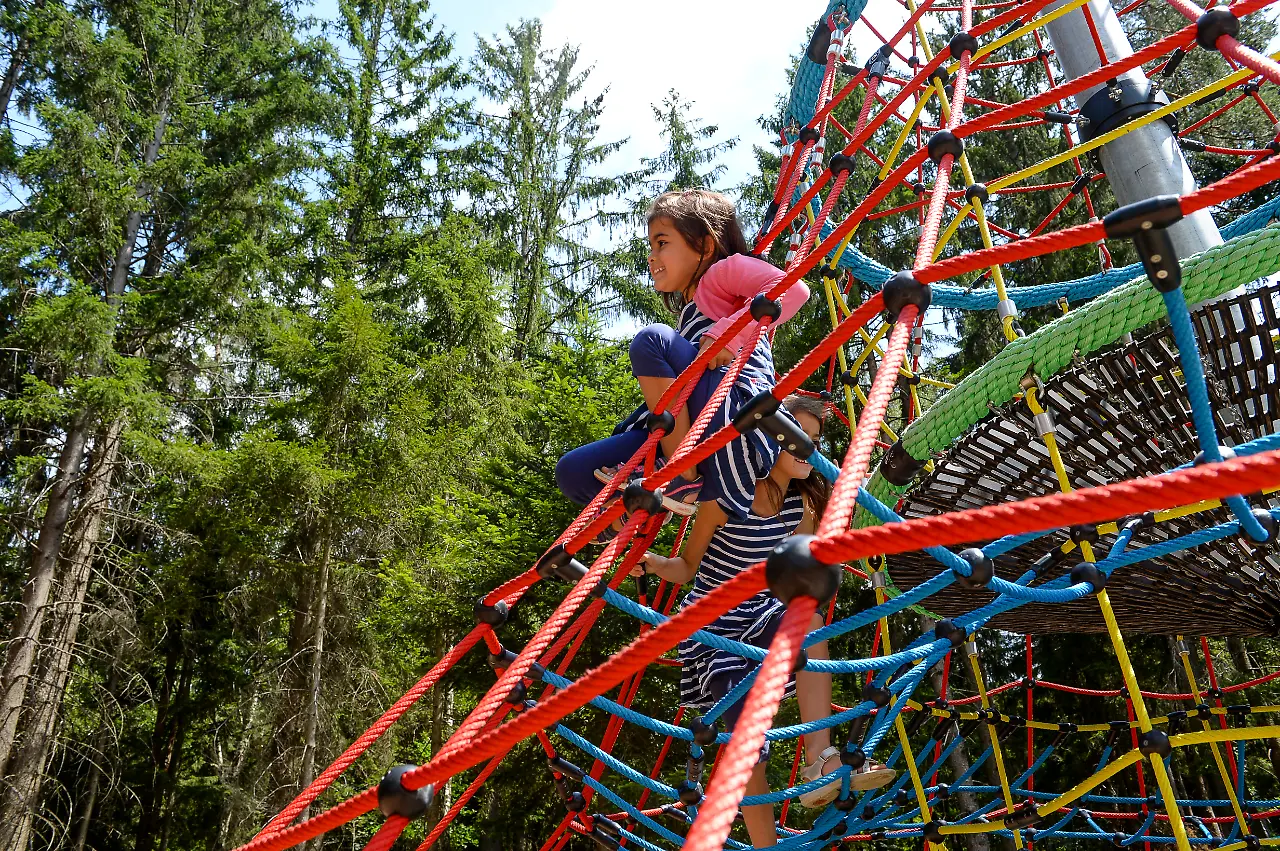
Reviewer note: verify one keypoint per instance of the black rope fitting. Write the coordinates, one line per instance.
(840, 164)
(1146, 223)
(1085, 532)
(902, 289)
(943, 792)
(808, 136)
(942, 143)
(845, 805)
(762, 306)
(961, 43)
(763, 411)
(1120, 102)
(819, 42)
(1214, 24)
(1252, 843)
(559, 563)
(1025, 816)
(1154, 742)
(855, 758)
(902, 798)
(1053, 116)
(1049, 560)
(919, 188)
(605, 832)
(792, 571)
(566, 768)
(944, 729)
(951, 631)
(981, 569)
(504, 657)
(665, 421)
(876, 694)
(913, 61)
(1175, 59)
(1145, 520)
(1080, 183)
(976, 191)
(689, 792)
(495, 615)
(1087, 571)
(1250, 88)
(898, 467)
(939, 75)
(878, 64)
(639, 498)
(574, 802)
(704, 734)
(933, 832)
(802, 659)
(1269, 526)
(519, 692)
(395, 800)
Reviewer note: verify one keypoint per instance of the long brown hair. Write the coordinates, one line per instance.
(813, 489)
(696, 215)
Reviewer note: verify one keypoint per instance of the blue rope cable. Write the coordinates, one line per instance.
(1184, 336)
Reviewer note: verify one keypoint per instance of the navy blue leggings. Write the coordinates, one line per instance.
(657, 351)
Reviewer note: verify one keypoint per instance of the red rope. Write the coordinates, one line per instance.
(715, 816)
(387, 834)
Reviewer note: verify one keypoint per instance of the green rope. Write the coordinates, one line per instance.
(1085, 330)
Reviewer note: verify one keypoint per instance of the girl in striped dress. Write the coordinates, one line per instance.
(703, 269)
(789, 501)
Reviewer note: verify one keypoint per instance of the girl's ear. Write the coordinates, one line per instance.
(709, 246)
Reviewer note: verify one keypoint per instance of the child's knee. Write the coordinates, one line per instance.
(649, 345)
(569, 478)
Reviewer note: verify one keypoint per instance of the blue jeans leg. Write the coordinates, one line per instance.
(658, 351)
(575, 472)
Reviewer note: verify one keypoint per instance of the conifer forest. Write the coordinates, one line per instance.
(297, 315)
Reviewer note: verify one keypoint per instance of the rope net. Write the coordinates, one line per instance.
(1050, 490)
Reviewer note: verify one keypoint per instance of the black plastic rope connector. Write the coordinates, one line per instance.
(1078, 185)
(1175, 59)
(982, 569)
(1252, 843)
(898, 467)
(605, 832)
(1146, 223)
(764, 412)
(819, 42)
(878, 65)
(942, 143)
(791, 571)
(1192, 145)
(665, 421)
(1269, 526)
(878, 695)
(919, 188)
(933, 832)
(559, 563)
(1042, 53)
(939, 75)
(1118, 729)
(913, 61)
(689, 792)
(1214, 24)
(902, 289)
(976, 191)
(808, 136)
(1085, 532)
(704, 734)
(1026, 815)
(566, 768)
(943, 792)
(1088, 572)
(855, 758)
(395, 800)
(1053, 116)
(574, 802)
(845, 805)
(951, 631)
(762, 306)
(639, 498)
(1154, 742)
(494, 616)
(961, 43)
(505, 657)
(840, 164)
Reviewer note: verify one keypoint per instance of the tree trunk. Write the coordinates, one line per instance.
(984, 735)
(89, 797)
(17, 60)
(44, 700)
(312, 720)
(167, 739)
(27, 625)
(231, 780)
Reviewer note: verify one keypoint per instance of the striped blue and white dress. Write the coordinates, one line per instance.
(729, 476)
(734, 547)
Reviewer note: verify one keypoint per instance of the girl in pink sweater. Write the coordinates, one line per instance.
(702, 266)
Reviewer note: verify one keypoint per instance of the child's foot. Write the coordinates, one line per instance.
(872, 775)
(611, 531)
(679, 497)
(828, 761)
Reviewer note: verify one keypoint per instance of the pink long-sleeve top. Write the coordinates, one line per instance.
(725, 291)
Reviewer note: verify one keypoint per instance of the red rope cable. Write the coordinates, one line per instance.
(715, 816)
(387, 834)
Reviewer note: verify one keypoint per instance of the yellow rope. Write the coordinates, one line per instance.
(1217, 753)
(996, 750)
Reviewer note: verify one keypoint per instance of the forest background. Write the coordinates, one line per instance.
(296, 317)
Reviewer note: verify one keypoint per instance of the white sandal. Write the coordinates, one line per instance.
(823, 795)
(872, 775)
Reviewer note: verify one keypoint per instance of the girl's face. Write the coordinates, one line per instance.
(673, 263)
(788, 464)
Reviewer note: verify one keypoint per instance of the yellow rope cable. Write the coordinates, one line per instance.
(971, 649)
(1144, 721)
(828, 287)
(1185, 654)
(990, 47)
(902, 137)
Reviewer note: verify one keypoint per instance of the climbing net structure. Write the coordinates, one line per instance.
(1075, 482)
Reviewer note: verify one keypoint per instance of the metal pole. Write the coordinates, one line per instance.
(1146, 161)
